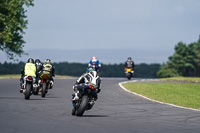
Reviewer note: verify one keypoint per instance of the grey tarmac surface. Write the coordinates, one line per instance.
(116, 111)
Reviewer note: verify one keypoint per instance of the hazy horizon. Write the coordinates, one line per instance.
(149, 30)
(106, 56)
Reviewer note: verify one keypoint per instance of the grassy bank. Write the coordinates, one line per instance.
(182, 94)
(19, 76)
(186, 79)
(10, 76)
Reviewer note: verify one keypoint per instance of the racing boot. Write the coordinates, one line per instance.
(75, 96)
(51, 84)
(21, 85)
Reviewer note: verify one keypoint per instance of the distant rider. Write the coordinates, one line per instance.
(48, 66)
(85, 79)
(29, 69)
(39, 66)
(95, 64)
(129, 63)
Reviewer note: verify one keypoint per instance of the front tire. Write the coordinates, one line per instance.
(128, 76)
(83, 105)
(44, 89)
(28, 91)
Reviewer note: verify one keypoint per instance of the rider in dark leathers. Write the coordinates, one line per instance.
(129, 63)
(38, 65)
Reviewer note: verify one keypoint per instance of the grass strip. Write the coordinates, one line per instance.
(186, 79)
(19, 76)
(181, 94)
(10, 76)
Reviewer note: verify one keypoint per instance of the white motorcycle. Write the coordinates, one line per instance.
(28, 86)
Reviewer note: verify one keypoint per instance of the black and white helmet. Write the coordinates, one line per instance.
(129, 58)
(47, 61)
(38, 63)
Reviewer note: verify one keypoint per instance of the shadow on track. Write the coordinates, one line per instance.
(51, 97)
(95, 116)
(18, 98)
(10, 97)
(35, 99)
(47, 96)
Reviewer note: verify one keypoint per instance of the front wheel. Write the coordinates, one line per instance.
(128, 75)
(28, 91)
(83, 105)
(44, 89)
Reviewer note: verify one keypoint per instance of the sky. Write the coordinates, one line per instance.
(146, 30)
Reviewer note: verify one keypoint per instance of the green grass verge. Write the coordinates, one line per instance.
(10, 76)
(187, 79)
(19, 76)
(181, 94)
(62, 76)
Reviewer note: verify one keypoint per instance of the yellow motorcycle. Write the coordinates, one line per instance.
(129, 72)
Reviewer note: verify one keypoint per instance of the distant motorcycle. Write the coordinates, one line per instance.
(86, 100)
(95, 67)
(44, 84)
(28, 86)
(129, 72)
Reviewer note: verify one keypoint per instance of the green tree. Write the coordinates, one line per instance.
(178, 60)
(184, 62)
(197, 51)
(192, 60)
(166, 72)
(12, 24)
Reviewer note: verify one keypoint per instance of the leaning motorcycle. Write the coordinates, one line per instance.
(28, 86)
(129, 72)
(44, 84)
(86, 100)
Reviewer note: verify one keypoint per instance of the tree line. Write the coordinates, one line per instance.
(184, 62)
(142, 70)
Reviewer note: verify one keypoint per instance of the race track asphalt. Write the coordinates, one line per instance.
(116, 111)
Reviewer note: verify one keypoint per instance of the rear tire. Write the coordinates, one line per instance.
(35, 90)
(44, 89)
(28, 91)
(83, 105)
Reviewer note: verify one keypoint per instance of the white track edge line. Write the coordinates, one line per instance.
(120, 84)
